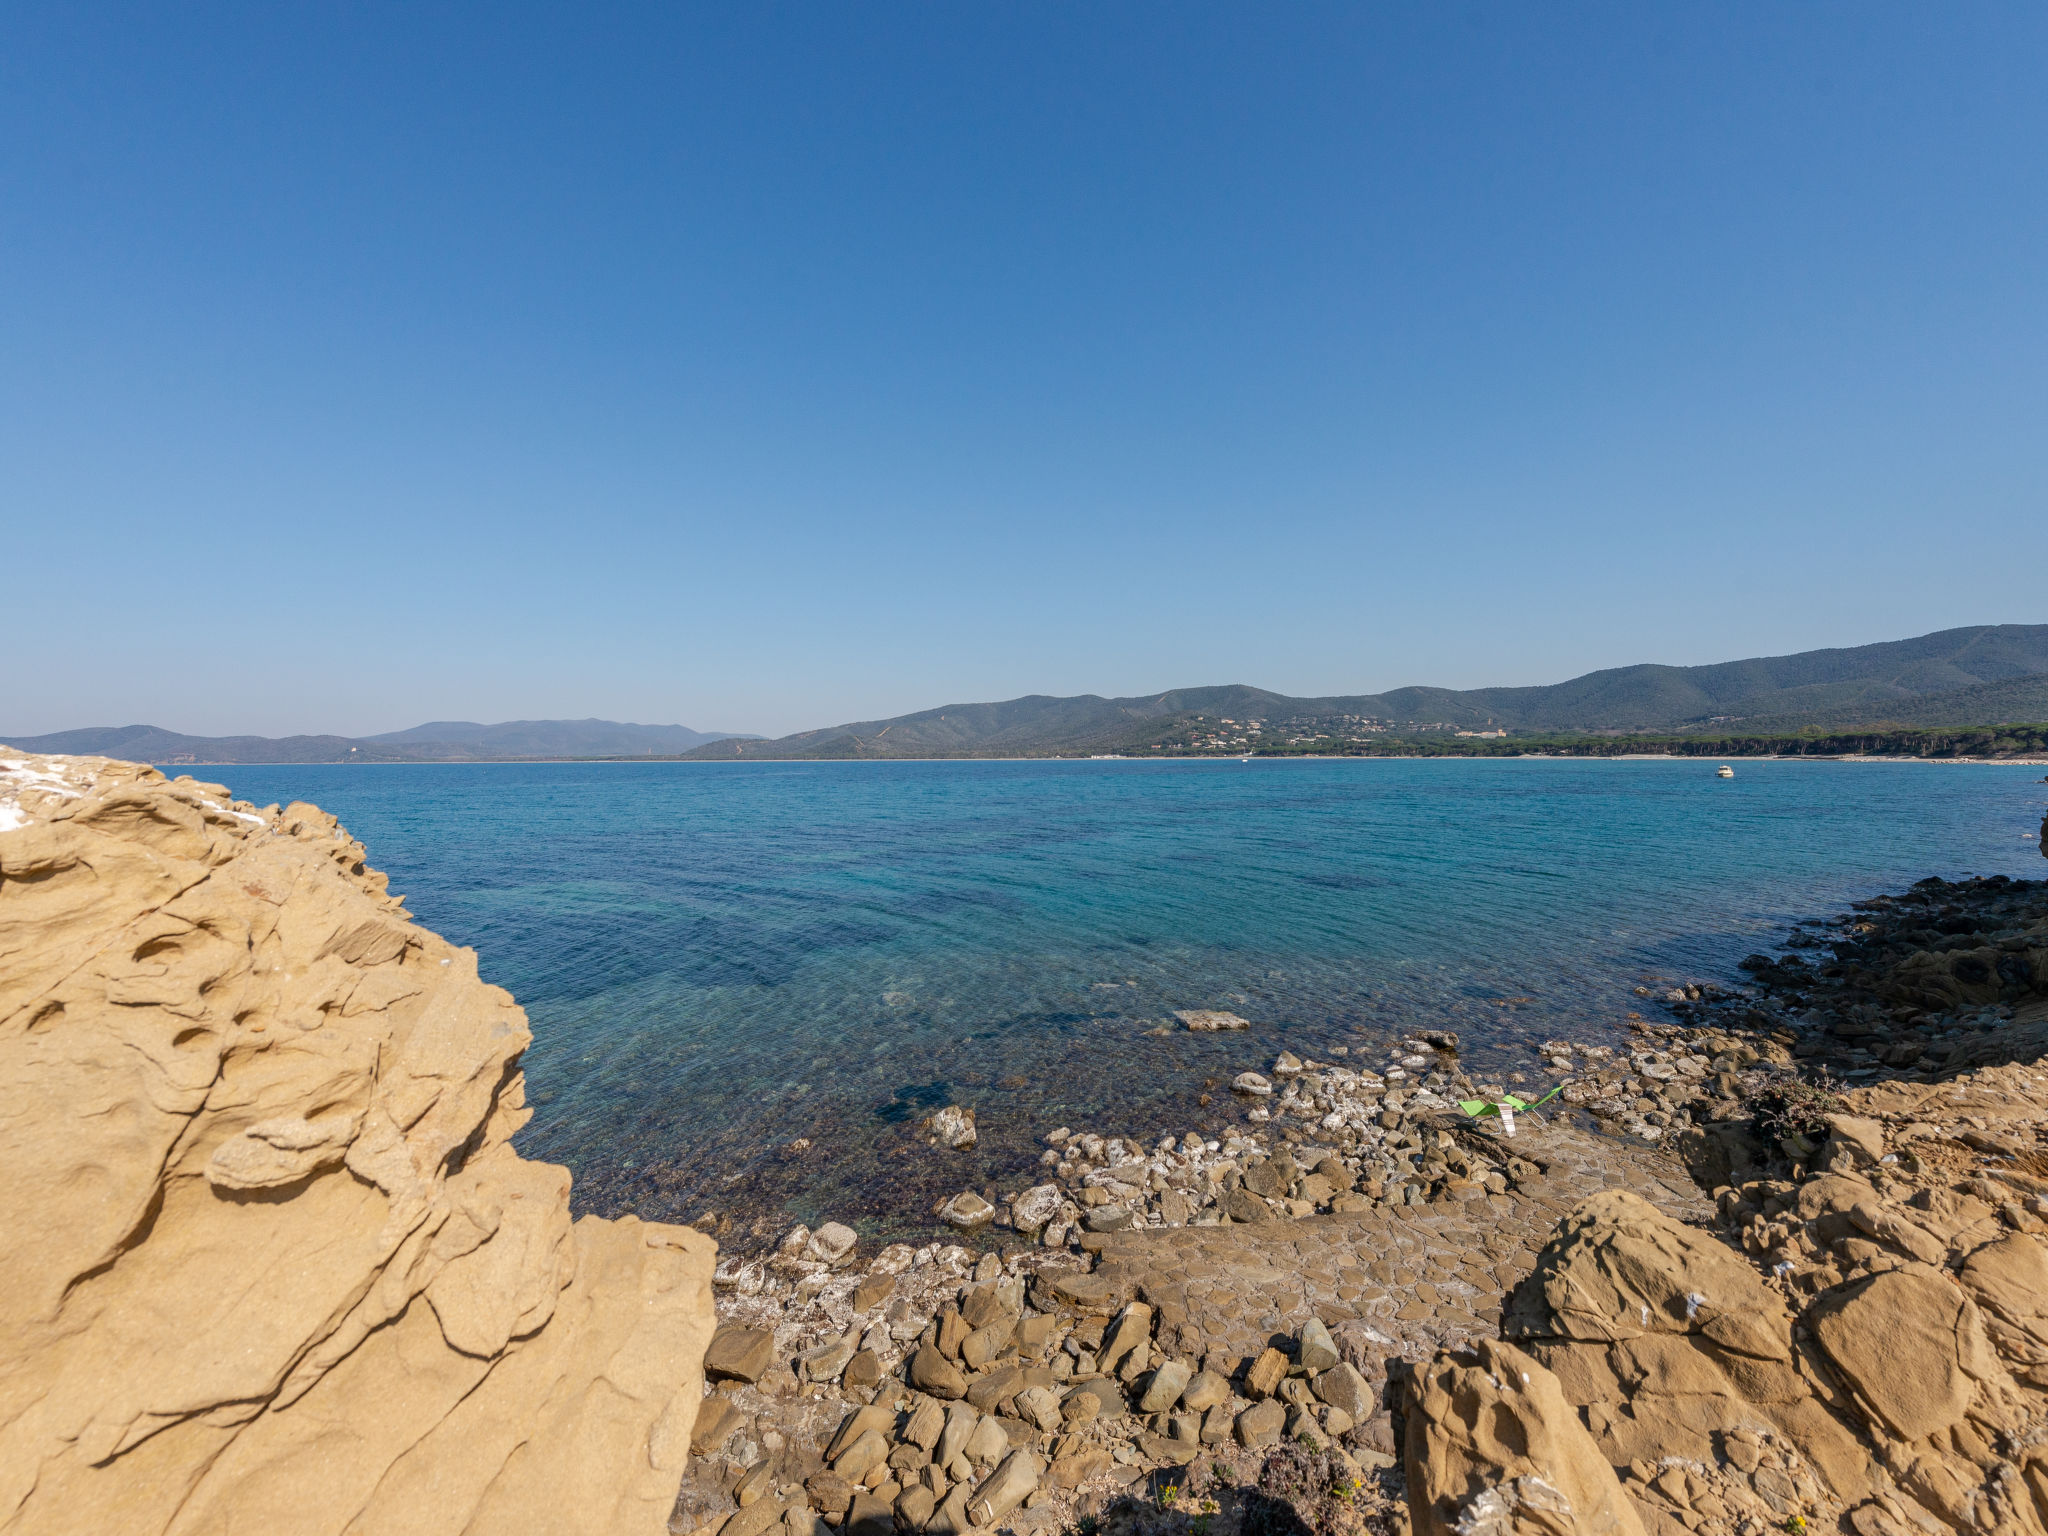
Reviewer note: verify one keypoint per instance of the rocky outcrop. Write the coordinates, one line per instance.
(268, 1260)
(1494, 1447)
(1878, 1362)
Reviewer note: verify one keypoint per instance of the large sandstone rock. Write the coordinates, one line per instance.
(1494, 1448)
(1672, 1346)
(268, 1261)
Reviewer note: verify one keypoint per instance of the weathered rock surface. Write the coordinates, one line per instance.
(268, 1260)
(1494, 1446)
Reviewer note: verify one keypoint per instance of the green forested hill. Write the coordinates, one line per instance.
(1946, 679)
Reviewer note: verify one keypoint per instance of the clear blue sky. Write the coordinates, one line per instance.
(762, 366)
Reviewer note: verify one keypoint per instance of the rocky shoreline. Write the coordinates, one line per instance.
(1710, 1262)
(1779, 1264)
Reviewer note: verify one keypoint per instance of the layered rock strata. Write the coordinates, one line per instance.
(268, 1260)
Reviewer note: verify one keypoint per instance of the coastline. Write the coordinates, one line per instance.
(1769, 1154)
(1780, 1263)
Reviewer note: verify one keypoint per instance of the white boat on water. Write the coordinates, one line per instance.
(1724, 772)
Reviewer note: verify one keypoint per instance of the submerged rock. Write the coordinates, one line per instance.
(1208, 1020)
(952, 1127)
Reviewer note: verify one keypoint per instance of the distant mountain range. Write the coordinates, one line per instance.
(440, 741)
(1989, 674)
(1984, 675)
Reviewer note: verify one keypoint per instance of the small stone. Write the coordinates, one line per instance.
(1007, 1487)
(1035, 1209)
(1260, 1425)
(932, 1372)
(1287, 1064)
(1342, 1387)
(863, 1370)
(1204, 1391)
(1251, 1084)
(1040, 1406)
(952, 1127)
(1208, 1020)
(1263, 1377)
(967, 1211)
(1165, 1387)
(914, 1507)
(832, 1243)
(862, 1457)
(739, 1354)
(1318, 1351)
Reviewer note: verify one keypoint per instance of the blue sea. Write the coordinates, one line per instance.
(723, 960)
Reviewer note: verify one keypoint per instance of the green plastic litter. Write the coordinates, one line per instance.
(1479, 1108)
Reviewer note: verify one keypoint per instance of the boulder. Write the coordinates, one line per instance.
(268, 1257)
(1853, 1142)
(717, 1418)
(1494, 1446)
(1109, 1398)
(987, 1444)
(1077, 1467)
(870, 1515)
(1251, 1084)
(866, 1453)
(926, 1423)
(1243, 1206)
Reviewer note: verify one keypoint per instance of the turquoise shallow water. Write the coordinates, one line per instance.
(719, 959)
